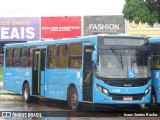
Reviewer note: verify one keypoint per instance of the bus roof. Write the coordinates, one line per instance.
(68, 40)
(154, 40)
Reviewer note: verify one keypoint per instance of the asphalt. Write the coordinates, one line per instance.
(8, 96)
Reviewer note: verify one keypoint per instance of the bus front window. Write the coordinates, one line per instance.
(111, 64)
(117, 63)
(139, 63)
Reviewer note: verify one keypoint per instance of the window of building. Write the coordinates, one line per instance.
(75, 55)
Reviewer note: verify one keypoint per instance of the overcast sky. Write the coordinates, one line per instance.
(37, 8)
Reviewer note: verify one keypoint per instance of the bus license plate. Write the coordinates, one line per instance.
(129, 98)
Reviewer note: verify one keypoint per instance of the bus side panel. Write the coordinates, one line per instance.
(58, 81)
(19, 78)
(9, 79)
(156, 83)
(15, 77)
(73, 76)
(53, 83)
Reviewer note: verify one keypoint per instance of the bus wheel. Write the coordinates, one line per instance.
(26, 93)
(153, 104)
(153, 100)
(73, 99)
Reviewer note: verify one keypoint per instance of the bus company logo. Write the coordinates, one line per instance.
(6, 114)
(133, 24)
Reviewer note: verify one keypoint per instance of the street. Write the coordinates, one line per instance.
(47, 110)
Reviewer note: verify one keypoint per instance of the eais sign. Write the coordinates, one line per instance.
(19, 28)
(60, 27)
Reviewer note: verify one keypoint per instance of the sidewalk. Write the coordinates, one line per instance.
(8, 96)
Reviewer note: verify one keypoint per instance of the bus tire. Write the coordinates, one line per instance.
(73, 99)
(26, 93)
(153, 104)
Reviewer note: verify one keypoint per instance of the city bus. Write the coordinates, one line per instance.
(98, 69)
(155, 70)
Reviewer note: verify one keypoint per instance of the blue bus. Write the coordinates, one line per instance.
(155, 70)
(100, 69)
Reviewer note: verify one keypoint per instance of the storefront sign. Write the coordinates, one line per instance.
(104, 25)
(19, 29)
(60, 27)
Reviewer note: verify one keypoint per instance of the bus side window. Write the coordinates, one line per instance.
(52, 56)
(9, 54)
(16, 57)
(24, 57)
(30, 56)
(62, 58)
(75, 55)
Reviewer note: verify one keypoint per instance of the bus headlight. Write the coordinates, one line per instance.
(105, 91)
(102, 90)
(99, 88)
(147, 90)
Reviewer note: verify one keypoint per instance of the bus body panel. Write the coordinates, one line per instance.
(155, 42)
(14, 79)
(156, 83)
(100, 97)
(9, 82)
(58, 81)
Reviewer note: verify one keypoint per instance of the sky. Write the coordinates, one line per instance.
(37, 8)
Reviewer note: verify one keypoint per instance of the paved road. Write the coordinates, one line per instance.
(2, 90)
(58, 110)
(50, 110)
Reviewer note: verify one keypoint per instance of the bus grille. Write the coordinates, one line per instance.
(127, 83)
(120, 97)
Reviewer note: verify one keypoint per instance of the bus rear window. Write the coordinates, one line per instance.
(9, 57)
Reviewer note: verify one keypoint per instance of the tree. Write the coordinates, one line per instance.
(144, 11)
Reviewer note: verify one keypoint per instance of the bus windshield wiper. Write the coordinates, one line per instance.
(134, 57)
(118, 56)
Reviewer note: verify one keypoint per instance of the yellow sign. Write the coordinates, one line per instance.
(88, 50)
(37, 52)
(143, 29)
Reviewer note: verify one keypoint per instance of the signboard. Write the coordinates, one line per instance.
(143, 29)
(60, 27)
(113, 24)
(19, 28)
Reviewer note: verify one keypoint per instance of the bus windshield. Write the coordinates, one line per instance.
(115, 63)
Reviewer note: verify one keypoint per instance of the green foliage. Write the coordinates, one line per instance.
(144, 11)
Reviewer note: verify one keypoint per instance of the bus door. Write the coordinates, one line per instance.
(87, 74)
(38, 72)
